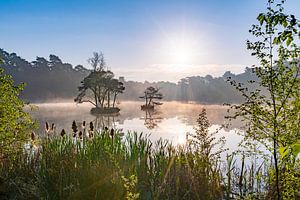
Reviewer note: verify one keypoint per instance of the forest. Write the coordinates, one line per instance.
(50, 80)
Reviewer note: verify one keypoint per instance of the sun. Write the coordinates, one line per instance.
(181, 50)
(181, 53)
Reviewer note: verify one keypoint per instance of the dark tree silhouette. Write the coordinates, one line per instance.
(99, 87)
(150, 95)
(97, 61)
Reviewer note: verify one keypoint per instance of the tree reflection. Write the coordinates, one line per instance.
(152, 118)
(105, 120)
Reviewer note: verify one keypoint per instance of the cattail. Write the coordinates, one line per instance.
(80, 135)
(52, 127)
(32, 136)
(91, 131)
(74, 127)
(91, 126)
(47, 127)
(62, 133)
(105, 129)
(112, 132)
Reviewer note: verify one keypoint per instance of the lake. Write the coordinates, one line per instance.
(171, 121)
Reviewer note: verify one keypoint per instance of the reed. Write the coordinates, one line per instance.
(107, 166)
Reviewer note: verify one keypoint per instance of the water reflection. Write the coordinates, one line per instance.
(170, 121)
(152, 118)
(105, 120)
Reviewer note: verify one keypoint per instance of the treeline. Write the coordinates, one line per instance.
(45, 79)
(206, 89)
(50, 79)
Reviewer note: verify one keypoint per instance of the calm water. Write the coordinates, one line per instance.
(170, 121)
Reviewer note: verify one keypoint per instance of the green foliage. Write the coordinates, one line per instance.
(204, 142)
(129, 185)
(15, 127)
(206, 150)
(272, 118)
(15, 124)
(115, 168)
(102, 167)
(150, 94)
(101, 84)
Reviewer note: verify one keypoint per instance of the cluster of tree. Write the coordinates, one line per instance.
(45, 79)
(54, 79)
(99, 88)
(206, 89)
(150, 95)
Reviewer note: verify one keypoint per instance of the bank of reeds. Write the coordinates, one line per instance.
(108, 166)
(132, 167)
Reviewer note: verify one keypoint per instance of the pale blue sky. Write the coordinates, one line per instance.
(140, 39)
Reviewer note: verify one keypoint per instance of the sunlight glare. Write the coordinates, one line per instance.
(181, 53)
(182, 49)
(180, 140)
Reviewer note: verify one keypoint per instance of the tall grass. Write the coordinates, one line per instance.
(111, 168)
(108, 166)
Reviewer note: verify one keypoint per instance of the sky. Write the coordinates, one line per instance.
(141, 39)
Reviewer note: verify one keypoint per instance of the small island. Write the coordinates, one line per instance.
(150, 95)
(100, 88)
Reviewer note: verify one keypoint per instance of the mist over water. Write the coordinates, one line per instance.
(171, 121)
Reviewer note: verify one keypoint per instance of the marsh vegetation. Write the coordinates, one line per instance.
(94, 159)
(103, 165)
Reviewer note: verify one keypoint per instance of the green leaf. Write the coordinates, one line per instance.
(284, 23)
(289, 40)
(296, 149)
(261, 18)
(276, 40)
(283, 151)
